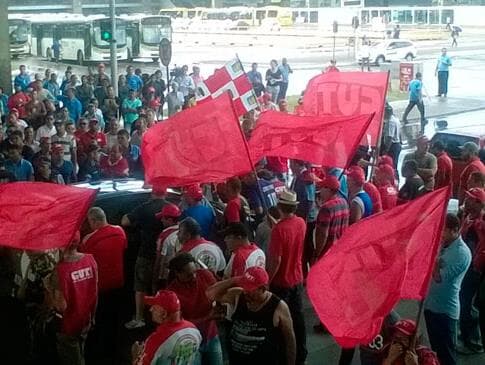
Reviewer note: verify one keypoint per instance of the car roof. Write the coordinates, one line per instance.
(473, 130)
(120, 186)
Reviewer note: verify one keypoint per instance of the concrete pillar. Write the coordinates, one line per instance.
(77, 6)
(5, 61)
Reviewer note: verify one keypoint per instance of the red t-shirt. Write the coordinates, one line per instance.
(194, 302)
(444, 172)
(232, 211)
(78, 284)
(88, 137)
(174, 343)
(117, 169)
(243, 258)
(107, 245)
(206, 252)
(388, 194)
(375, 197)
(278, 165)
(474, 165)
(287, 239)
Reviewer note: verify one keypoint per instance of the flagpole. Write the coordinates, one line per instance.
(419, 317)
(381, 129)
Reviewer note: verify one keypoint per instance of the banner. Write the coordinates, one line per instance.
(41, 216)
(200, 144)
(348, 94)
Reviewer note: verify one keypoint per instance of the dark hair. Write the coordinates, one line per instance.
(180, 260)
(439, 146)
(274, 212)
(452, 222)
(191, 226)
(287, 208)
(411, 165)
(17, 133)
(12, 147)
(124, 133)
(234, 184)
(478, 177)
(237, 230)
(418, 74)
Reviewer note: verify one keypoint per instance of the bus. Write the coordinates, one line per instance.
(182, 17)
(19, 31)
(79, 37)
(271, 15)
(144, 33)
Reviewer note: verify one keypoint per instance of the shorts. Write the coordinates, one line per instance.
(143, 274)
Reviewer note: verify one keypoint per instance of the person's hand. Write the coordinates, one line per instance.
(410, 358)
(137, 349)
(395, 351)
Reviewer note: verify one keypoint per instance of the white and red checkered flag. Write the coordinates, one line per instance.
(231, 77)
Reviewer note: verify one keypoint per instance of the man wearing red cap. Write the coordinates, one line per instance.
(107, 243)
(385, 182)
(60, 166)
(470, 156)
(262, 329)
(167, 244)
(93, 135)
(18, 101)
(360, 201)
(333, 216)
(75, 293)
(175, 341)
(427, 164)
(444, 172)
(374, 195)
(199, 209)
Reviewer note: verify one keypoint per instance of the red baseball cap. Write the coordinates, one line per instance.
(166, 299)
(253, 278)
(329, 182)
(169, 211)
(405, 326)
(194, 192)
(385, 160)
(386, 170)
(356, 173)
(477, 194)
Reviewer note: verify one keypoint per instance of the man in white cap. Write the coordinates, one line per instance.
(285, 268)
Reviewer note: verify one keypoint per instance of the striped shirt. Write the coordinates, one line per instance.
(335, 214)
(67, 141)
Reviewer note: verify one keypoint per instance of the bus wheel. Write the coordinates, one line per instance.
(80, 58)
(155, 59)
(48, 54)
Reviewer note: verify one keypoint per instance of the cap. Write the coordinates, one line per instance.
(287, 197)
(329, 182)
(166, 299)
(386, 160)
(169, 211)
(386, 170)
(57, 148)
(356, 173)
(151, 89)
(477, 194)
(471, 147)
(253, 278)
(194, 191)
(405, 326)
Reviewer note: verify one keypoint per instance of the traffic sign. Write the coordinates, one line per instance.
(165, 52)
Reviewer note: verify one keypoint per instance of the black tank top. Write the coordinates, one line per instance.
(253, 338)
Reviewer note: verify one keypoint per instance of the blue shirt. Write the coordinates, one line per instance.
(415, 90)
(22, 170)
(285, 72)
(134, 82)
(23, 81)
(66, 170)
(255, 77)
(253, 194)
(444, 296)
(444, 62)
(53, 88)
(305, 191)
(74, 106)
(365, 203)
(204, 215)
(3, 104)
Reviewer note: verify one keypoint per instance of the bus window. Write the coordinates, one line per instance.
(260, 14)
(191, 14)
(313, 16)
(386, 16)
(421, 17)
(434, 17)
(447, 16)
(304, 15)
(272, 14)
(364, 16)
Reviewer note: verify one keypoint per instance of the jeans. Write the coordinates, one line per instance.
(394, 151)
(468, 315)
(442, 333)
(210, 353)
(411, 105)
(443, 82)
(292, 297)
(283, 90)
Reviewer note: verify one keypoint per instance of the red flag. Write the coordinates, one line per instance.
(346, 94)
(327, 140)
(41, 216)
(200, 144)
(231, 77)
(368, 270)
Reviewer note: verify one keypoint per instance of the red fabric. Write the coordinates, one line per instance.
(377, 262)
(87, 138)
(107, 245)
(375, 197)
(18, 101)
(199, 144)
(326, 140)
(388, 196)
(232, 211)
(287, 239)
(278, 165)
(478, 225)
(243, 260)
(119, 169)
(348, 94)
(34, 216)
(78, 284)
(474, 165)
(444, 173)
(194, 303)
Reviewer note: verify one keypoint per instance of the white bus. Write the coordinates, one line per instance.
(19, 31)
(79, 37)
(144, 33)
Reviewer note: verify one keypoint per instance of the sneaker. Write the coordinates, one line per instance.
(474, 347)
(135, 323)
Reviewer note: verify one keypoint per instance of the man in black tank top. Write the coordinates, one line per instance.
(262, 330)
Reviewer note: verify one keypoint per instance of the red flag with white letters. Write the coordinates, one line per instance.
(348, 94)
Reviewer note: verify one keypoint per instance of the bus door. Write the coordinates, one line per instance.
(87, 37)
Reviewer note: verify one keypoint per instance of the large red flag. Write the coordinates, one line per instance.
(368, 270)
(327, 141)
(40, 216)
(348, 93)
(200, 144)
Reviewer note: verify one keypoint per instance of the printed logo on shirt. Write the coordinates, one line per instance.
(185, 349)
(82, 274)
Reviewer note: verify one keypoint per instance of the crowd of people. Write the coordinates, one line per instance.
(222, 270)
